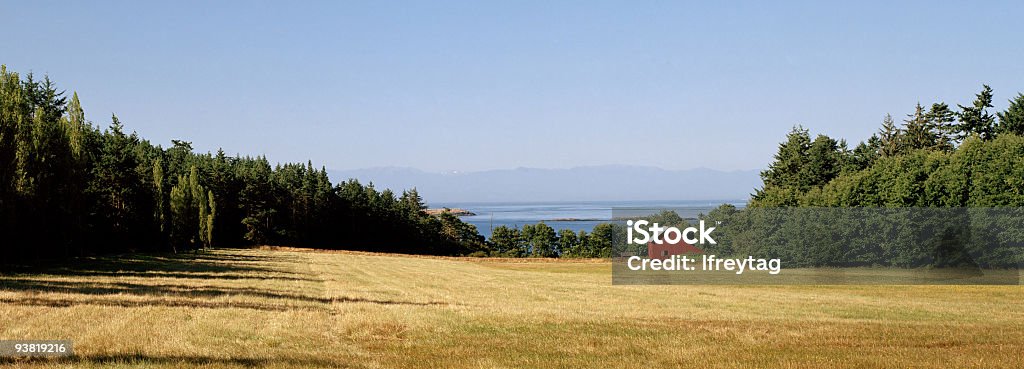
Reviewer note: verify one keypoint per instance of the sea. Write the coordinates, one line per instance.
(577, 216)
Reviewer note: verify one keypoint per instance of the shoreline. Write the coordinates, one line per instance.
(454, 211)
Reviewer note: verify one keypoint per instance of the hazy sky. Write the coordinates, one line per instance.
(478, 85)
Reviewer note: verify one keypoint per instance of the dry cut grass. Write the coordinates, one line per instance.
(285, 308)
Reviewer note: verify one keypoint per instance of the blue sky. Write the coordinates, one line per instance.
(477, 85)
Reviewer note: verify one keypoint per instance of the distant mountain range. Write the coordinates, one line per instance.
(591, 183)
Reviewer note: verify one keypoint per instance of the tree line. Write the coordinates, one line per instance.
(68, 187)
(540, 240)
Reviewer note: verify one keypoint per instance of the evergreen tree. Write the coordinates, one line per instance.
(824, 161)
(599, 241)
(11, 114)
(507, 241)
(192, 213)
(919, 132)
(942, 122)
(257, 200)
(785, 171)
(11, 102)
(1012, 120)
(865, 154)
(160, 196)
(462, 237)
(568, 243)
(975, 119)
(543, 241)
(183, 221)
(412, 201)
(890, 138)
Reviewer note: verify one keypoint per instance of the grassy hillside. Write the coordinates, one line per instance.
(293, 308)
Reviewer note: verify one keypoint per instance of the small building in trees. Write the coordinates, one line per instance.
(667, 249)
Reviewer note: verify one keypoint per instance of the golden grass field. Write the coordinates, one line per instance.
(286, 308)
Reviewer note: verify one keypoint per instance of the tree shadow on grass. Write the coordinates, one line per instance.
(181, 275)
(199, 273)
(222, 264)
(173, 295)
(177, 361)
(202, 304)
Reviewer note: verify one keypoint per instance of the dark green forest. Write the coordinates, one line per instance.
(70, 188)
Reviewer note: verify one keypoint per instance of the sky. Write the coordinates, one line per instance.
(477, 85)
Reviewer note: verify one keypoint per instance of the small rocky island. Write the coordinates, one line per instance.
(457, 212)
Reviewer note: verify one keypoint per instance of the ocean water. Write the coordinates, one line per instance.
(576, 216)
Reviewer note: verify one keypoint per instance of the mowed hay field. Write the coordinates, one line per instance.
(286, 308)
